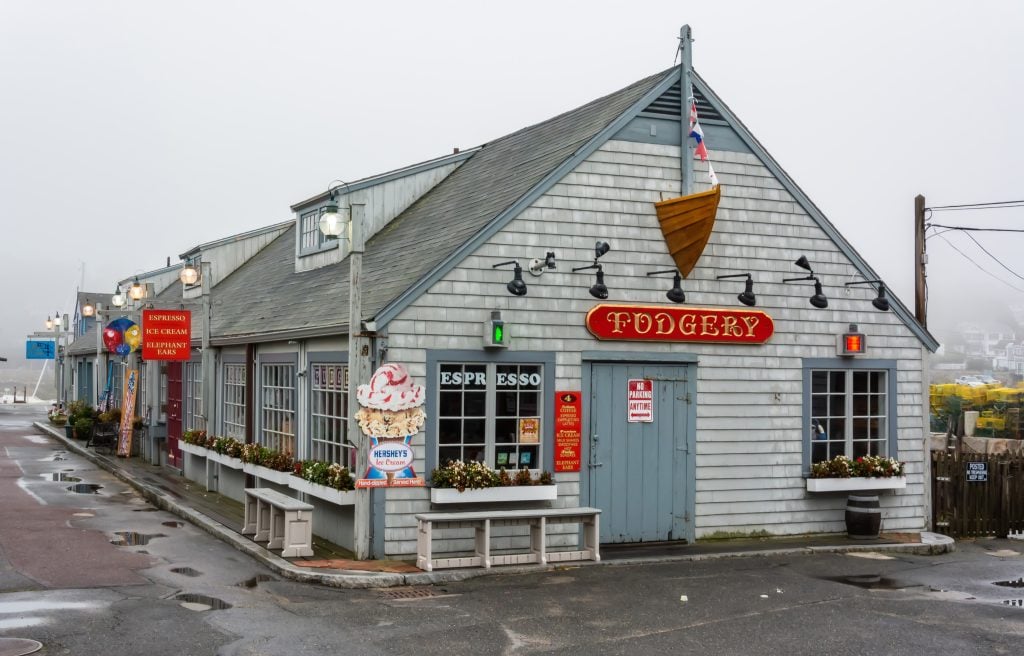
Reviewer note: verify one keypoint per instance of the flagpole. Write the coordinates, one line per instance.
(685, 85)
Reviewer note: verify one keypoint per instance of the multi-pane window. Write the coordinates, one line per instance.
(490, 413)
(310, 237)
(142, 397)
(194, 418)
(116, 386)
(277, 407)
(163, 393)
(234, 401)
(328, 408)
(849, 413)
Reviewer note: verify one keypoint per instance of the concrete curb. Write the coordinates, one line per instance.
(931, 543)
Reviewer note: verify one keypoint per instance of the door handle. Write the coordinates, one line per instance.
(593, 464)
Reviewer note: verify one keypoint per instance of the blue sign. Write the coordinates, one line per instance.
(38, 350)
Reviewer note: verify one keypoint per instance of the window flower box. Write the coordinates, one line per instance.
(227, 461)
(330, 494)
(267, 474)
(856, 484)
(194, 449)
(498, 494)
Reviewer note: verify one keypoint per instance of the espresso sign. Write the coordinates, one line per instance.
(661, 323)
(166, 334)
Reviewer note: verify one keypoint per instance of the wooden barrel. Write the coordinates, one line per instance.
(863, 516)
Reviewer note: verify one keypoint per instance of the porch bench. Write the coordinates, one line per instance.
(282, 521)
(483, 520)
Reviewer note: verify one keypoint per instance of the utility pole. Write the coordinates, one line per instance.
(359, 369)
(685, 85)
(920, 260)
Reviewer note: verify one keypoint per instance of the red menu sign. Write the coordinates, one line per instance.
(679, 324)
(166, 334)
(568, 431)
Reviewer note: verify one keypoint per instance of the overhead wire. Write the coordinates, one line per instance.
(993, 256)
(996, 205)
(984, 270)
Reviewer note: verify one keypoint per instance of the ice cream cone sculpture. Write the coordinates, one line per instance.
(390, 414)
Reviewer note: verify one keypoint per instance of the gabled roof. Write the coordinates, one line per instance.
(266, 299)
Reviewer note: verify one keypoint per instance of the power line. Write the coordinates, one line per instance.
(992, 256)
(985, 271)
(968, 228)
(979, 206)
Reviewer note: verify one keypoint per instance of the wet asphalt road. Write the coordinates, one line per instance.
(75, 575)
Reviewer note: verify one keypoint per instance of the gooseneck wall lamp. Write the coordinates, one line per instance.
(880, 302)
(818, 300)
(745, 297)
(675, 294)
(598, 290)
(516, 286)
(332, 220)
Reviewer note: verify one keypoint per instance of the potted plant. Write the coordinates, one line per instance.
(77, 410)
(83, 428)
(475, 482)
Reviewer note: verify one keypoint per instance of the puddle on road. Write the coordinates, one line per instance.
(256, 580)
(133, 539)
(145, 510)
(173, 524)
(60, 455)
(83, 514)
(186, 571)
(85, 488)
(60, 476)
(1019, 583)
(199, 603)
(872, 582)
(1019, 603)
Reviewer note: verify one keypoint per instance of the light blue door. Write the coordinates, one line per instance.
(640, 472)
(85, 391)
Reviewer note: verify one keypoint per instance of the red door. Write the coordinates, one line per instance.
(174, 394)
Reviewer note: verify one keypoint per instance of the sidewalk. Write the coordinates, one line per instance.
(218, 515)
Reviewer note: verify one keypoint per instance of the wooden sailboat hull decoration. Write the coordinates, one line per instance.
(686, 223)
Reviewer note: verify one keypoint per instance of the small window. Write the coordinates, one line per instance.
(311, 239)
(490, 412)
(234, 401)
(850, 412)
(277, 407)
(328, 414)
(194, 418)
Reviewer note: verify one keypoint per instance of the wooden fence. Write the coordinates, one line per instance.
(977, 495)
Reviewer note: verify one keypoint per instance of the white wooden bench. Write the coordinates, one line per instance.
(282, 521)
(484, 520)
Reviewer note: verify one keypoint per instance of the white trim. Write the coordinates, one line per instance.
(855, 484)
(227, 461)
(194, 449)
(267, 474)
(495, 494)
(337, 497)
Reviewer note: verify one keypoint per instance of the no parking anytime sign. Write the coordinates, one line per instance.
(640, 400)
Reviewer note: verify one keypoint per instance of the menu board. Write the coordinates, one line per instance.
(568, 431)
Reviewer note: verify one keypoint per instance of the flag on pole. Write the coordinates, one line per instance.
(697, 133)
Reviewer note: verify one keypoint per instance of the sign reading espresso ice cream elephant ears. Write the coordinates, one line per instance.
(390, 415)
(662, 323)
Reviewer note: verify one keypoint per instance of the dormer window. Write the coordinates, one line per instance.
(311, 239)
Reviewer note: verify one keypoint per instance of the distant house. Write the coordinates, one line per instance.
(731, 427)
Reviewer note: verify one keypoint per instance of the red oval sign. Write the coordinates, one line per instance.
(679, 324)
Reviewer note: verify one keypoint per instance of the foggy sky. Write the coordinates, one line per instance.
(133, 131)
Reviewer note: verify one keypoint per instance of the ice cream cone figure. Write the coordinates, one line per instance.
(390, 414)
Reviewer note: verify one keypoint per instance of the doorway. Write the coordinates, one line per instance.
(641, 455)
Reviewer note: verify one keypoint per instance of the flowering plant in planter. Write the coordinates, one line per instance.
(227, 446)
(862, 467)
(197, 437)
(475, 475)
(255, 454)
(329, 474)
